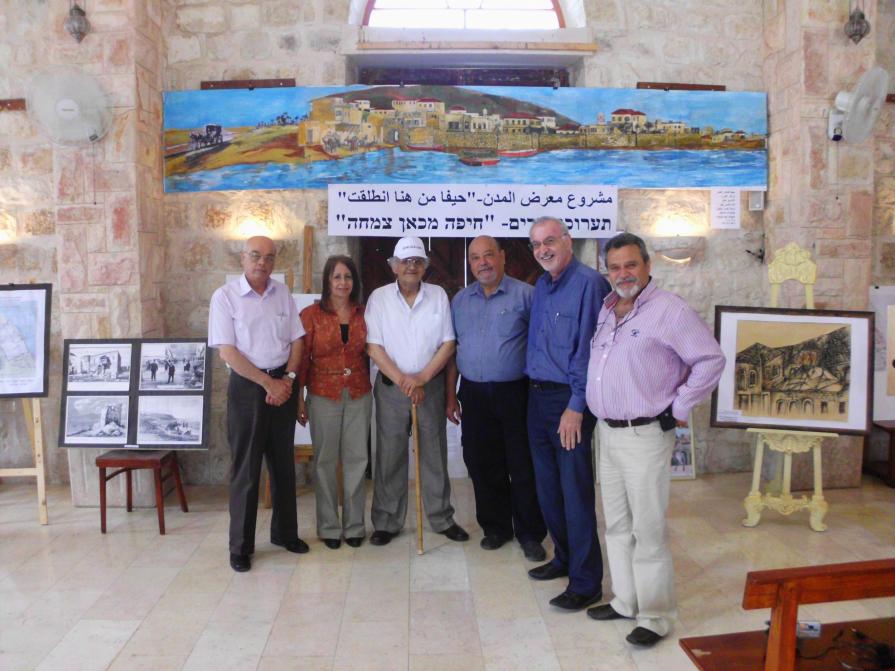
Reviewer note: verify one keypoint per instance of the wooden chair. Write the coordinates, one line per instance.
(129, 460)
(782, 591)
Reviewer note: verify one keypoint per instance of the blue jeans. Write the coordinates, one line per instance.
(565, 484)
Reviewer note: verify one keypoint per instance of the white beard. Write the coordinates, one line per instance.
(628, 291)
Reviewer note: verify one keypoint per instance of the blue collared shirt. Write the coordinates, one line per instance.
(563, 317)
(492, 331)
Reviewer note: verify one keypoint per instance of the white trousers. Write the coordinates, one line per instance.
(634, 482)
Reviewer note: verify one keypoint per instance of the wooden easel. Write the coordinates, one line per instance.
(34, 424)
(303, 453)
(790, 263)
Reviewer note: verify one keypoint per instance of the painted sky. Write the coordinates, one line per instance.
(745, 111)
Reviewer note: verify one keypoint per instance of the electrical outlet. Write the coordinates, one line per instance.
(808, 629)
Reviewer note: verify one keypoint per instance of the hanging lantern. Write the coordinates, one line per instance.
(77, 24)
(857, 27)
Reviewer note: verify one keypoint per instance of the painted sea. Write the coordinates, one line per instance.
(628, 169)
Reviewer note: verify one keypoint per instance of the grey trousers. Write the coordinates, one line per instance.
(390, 477)
(339, 430)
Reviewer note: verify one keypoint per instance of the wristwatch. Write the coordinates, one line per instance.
(291, 375)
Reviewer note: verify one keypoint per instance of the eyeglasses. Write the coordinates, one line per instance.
(255, 257)
(412, 261)
(550, 243)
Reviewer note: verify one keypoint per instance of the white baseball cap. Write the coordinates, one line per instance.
(410, 247)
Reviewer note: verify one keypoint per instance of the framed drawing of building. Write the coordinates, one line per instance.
(24, 340)
(805, 370)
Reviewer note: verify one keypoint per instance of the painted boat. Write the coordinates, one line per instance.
(479, 159)
(517, 153)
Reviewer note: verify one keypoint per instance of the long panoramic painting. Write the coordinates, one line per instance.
(794, 369)
(310, 137)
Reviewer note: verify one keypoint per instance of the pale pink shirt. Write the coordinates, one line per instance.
(262, 328)
(409, 335)
(661, 353)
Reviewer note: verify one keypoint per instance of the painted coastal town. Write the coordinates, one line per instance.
(310, 137)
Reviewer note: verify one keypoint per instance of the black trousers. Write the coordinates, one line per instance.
(495, 449)
(255, 430)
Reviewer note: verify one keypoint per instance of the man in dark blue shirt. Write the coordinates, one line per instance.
(567, 299)
(491, 322)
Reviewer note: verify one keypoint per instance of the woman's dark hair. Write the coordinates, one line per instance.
(328, 269)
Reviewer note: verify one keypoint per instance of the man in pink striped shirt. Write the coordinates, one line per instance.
(652, 359)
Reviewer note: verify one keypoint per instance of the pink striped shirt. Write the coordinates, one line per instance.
(661, 353)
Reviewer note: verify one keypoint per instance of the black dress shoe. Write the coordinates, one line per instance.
(533, 551)
(355, 542)
(381, 537)
(548, 571)
(572, 601)
(643, 637)
(240, 563)
(605, 612)
(493, 542)
(298, 546)
(332, 543)
(455, 532)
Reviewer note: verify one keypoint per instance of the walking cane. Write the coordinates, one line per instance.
(419, 498)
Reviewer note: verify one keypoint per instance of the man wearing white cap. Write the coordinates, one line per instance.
(410, 338)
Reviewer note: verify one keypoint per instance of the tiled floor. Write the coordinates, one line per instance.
(71, 598)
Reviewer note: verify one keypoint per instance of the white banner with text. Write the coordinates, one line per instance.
(468, 210)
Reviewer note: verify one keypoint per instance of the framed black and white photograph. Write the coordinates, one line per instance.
(172, 366)
(804, 370)
(683, 456)
(98, 366)
(24, 340)
(95, 420)
(170, 420)
(135, 393)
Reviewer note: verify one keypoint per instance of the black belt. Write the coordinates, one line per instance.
(546, 385)
(624, 423)
(277, 372)
(387, 381)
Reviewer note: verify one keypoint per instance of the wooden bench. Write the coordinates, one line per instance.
(782, 590)
(130, 460)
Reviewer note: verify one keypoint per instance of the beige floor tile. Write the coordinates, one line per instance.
(307, 626)
(372, 639)
(452, 662)
(443, 623)
(295, 663)
(90, 644)
(128, 662)
(229, 646)
(455, 607)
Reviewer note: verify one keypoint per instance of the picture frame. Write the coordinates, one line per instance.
(802, 370)
(109, 396)
(683, 455)
(25, 340)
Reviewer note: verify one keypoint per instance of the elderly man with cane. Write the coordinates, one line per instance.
(410, 338)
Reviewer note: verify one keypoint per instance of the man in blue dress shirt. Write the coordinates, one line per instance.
(491, 323)
(567, 299)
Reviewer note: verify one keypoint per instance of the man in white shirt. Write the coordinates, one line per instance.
(254, 324)
(410, 338)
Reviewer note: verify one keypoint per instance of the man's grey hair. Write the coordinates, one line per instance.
(623, 240)
(545, 219)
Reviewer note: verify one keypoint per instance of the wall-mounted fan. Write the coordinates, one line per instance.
(855, 112)
(69, 105)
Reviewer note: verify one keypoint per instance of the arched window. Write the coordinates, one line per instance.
(753, 378)
(465, 14)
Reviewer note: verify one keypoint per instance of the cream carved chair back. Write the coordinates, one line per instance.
(792, 263)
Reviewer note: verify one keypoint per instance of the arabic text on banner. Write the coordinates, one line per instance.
(468, 210)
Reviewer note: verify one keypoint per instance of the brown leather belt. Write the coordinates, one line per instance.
(344, 372)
